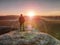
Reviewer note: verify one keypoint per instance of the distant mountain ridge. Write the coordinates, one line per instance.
(9, 17)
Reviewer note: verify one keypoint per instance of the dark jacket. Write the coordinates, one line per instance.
(21, 19)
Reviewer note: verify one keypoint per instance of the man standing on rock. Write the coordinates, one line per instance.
(21, 21)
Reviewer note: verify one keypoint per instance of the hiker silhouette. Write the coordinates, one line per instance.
(21, 21)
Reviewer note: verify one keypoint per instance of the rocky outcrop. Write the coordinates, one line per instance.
(28, 38)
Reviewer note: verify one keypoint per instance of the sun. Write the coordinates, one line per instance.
(31, 13)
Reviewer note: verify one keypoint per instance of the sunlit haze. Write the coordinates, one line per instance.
(40, 7)
(30, 13)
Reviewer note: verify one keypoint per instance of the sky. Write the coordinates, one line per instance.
(41, 7)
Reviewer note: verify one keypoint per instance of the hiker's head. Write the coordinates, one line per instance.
(21, 15)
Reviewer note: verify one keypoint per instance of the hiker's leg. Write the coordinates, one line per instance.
(23, 27)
